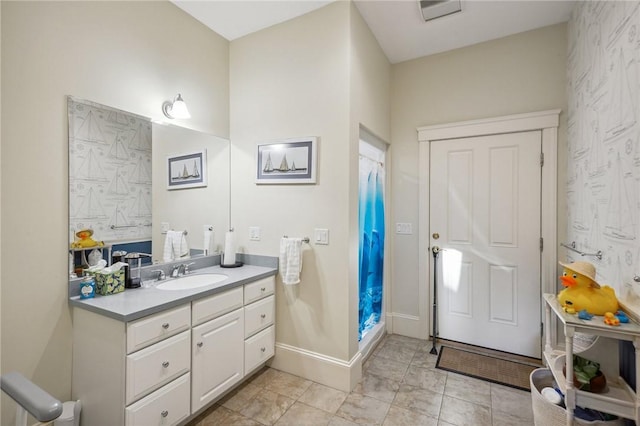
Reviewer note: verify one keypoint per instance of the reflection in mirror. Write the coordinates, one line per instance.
(119, 197)
(197, 206)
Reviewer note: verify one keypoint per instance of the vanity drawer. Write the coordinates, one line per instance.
(258, 315)
(214, 306)
(259, 289)
(146, 331)
(258, 349)
(168, 405)
(156, 365)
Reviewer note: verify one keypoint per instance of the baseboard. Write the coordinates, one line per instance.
(406, 325)
(320, 368)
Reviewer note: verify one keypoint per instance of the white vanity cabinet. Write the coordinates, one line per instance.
(164, 368)
(218, 347)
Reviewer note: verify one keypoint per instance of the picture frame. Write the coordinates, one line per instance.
(187, 170)
(289, 161)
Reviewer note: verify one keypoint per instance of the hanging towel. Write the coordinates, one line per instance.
(290, 260)
(175, 246)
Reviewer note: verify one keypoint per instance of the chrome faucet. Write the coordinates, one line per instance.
(161, 275)
(175, 272)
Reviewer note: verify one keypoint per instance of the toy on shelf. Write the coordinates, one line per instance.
(584, 315)
(582, 292)
(611, 319)
(85, 240)
(622, 317)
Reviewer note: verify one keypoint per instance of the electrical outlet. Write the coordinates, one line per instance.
(404, 228)
(254, 233)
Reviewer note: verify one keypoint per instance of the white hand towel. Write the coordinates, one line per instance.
(290, 260)
(175, 246)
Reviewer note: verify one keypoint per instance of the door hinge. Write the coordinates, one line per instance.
(541, 243)
(541, 159)
(541, 329)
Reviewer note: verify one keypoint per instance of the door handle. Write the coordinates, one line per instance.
(435, 249)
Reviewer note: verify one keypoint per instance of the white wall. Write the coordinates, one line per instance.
(299, 79)
(603, 179)
(129, 55)
(517, 74)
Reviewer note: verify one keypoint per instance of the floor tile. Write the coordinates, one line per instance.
(323, 397)
(509, 419)
(463, 413)
(224, 416)
(424, 359)
(422, 400)
(339, 421)
(287, 384)
(397, 352)
(390, 369)
(377, 387)
(267, 407)
(399, 416)
(363, 409)
(240, 397)
(511, 401)
(434, 380)
(300, 414)
(408, 342)
(468, 389)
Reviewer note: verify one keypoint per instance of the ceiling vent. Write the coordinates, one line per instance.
(437, 9)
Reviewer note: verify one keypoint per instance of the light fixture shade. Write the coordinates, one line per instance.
(176, 109)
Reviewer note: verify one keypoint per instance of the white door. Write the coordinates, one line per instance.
(485, 215)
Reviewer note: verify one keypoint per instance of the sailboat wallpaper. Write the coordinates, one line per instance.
(109, 172)
(287, 161)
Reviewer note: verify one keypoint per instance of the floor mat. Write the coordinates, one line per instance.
(485, 367)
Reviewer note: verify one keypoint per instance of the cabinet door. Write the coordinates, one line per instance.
(167, 406)
(217, 357)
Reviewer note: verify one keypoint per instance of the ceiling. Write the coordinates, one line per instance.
(397, 24)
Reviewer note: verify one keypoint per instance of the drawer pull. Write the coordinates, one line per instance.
(165, 364)
(165, 325)
(200, 344)
(165, 413)
(263, 316)
(262, 349)
(263, 289)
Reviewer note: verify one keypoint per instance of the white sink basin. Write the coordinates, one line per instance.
(192, 281)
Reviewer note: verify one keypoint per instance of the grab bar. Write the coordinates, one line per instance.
(30, 398)
(572, 247)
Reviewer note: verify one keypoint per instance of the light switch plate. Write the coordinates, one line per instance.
(165, 227)
(254, 233)
(321, 236)
(404, 228)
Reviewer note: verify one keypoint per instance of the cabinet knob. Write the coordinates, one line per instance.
(165, 364)
(165, 325)
(262, 349)
(263, 316)
(165, 413)
(263, 289)
(199, 344)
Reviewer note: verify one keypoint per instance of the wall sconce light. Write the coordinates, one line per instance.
(176, 109)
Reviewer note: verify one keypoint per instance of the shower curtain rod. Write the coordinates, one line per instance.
(372, 159)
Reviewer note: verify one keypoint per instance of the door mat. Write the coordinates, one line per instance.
(485, 367)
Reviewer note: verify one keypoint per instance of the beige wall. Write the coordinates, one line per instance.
(298, 79)
(516, 74)
(129, 55)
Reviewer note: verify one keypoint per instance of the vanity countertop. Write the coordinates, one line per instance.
(133, 304)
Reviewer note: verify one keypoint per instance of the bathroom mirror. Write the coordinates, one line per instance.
(119, 187)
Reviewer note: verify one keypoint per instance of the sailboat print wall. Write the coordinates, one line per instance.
(287, 161)
(187, 170)
(109, 167)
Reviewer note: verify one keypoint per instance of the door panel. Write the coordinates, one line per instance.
(485, 204)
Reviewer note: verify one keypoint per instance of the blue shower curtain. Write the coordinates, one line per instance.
(371, 256)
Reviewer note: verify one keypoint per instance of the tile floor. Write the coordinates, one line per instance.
(400, 386)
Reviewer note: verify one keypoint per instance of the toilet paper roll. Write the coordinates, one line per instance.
(208, 236)
(229, 257)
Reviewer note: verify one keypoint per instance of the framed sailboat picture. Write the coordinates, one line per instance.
(287, 161)
(187, 170)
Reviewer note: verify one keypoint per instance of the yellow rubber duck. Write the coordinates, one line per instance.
(85, 240)
(583, 292)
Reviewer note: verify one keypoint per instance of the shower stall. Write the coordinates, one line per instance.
(371, 207)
